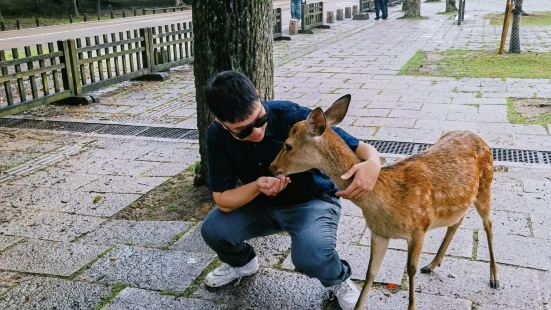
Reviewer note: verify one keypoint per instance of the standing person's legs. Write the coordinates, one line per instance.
(296, 8)
(225, 233)
(377, 8)
(313, 229)
(384, 8)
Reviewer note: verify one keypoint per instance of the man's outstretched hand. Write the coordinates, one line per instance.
(272, 186)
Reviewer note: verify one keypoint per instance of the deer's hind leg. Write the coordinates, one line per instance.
(482, 205)
(443, 248)
(415, 245)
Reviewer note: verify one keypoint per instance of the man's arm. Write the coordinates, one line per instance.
(365, 173)
(233, 199)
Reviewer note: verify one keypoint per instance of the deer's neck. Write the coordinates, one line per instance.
(339, 158)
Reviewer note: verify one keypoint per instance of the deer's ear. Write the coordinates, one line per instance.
(335, 114)
(316, 122)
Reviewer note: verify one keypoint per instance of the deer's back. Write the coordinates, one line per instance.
(432, 188)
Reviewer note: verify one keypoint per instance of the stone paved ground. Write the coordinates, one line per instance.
(61, 248)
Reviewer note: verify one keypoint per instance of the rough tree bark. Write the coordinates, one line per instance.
(450, 6)
(412, 8)
(514, 45)
(230, 35)
(75, 7)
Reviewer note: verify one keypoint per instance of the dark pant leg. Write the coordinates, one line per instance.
(384, 8)
(377, 7)
(225, 233)
(313, 229)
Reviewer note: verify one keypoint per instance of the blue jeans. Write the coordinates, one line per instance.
(380, 5)
(296, 8)
(312, 226)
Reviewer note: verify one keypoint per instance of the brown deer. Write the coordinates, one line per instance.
(431, 189)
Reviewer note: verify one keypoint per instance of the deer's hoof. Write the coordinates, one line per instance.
(426, 269)
(494, 283)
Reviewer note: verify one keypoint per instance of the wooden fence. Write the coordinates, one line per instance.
(312, 17)
(72, 67)
(367, 5)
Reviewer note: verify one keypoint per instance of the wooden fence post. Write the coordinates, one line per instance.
(67, 72)
(147, 43)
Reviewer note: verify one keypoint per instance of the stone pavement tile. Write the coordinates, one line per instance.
(164, 154)
(6, 241)
(348, 208)
(521, 202)
(536, 184)
(506, 181)
(122, 167)
(541, 225)
(382, 299)
(143, 233)
(135, 298)
(86, 203)
(466, 279)
(50, 225)
(26, 197)
(49, 257)
(271, 250)
(54, 177)
(391, 271)
(269, 289)
(193, 242)
(124, 184)
(461, 245)
(409, 134)
(517, 250)
(148, 268)
(503, 222)
(360, 132)
(10, 279)
(545, 278)
(167, 169)
(350, 229)
(52, 293)
(386, 122)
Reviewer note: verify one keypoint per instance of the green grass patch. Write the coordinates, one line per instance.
(533, 19)
(414, 17)
(97, 199)
(117, 288)
(447, 13)
(479, 64)
(414, 62)
(531, 111)
(197, 282)
(21, 53)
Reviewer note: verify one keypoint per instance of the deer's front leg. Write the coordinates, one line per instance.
(379, 245)
(415, 245)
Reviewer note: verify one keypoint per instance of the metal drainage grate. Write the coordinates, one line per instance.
(546, 157)
(384, 147)
(109, 129)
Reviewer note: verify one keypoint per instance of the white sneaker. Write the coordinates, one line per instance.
(226, 274)
(347, 293)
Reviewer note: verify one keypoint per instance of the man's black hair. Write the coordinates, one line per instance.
(231, 96)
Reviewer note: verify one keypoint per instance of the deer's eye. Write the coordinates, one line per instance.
(288, 147)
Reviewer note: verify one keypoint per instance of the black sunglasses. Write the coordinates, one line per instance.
(247, 130)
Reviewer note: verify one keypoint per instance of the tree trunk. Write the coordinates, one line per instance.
(75, 6)
(450, 6)
(514, 45)
(413, 8)
(98, 7)
(230, 35)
